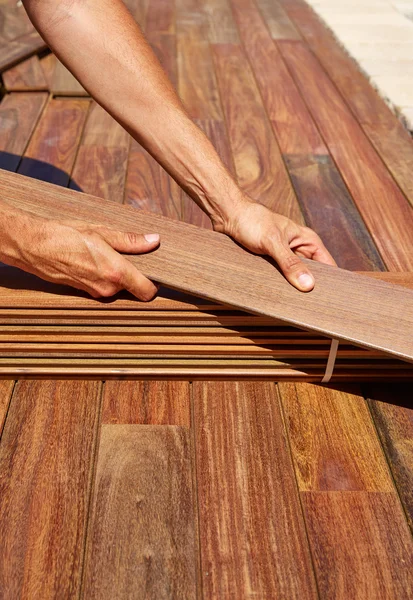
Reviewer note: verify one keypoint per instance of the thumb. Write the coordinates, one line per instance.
(292, 268)
(129, 242)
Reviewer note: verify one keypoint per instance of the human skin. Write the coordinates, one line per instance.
(100, 43)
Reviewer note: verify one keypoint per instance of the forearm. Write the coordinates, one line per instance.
(101, 44)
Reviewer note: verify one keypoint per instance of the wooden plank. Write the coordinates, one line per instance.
(142, 533)
(160, 17)
(63, 83)
(295, 130)
(395, 146)
(101, 161)
(197, 83)
(148, 186)
(377, 314)
(329, 209)
(19, 114)
(242, 463)
(383, 207)
(333, 440)
(147, 403)
(14, 21)
(277, 21)
(222, 28)
(6, 389)
(45, 464)
(258, 163)
(360, 543)
(28, 75)
(13, 52)
(393, 415)
(164, 46)
(52, 149)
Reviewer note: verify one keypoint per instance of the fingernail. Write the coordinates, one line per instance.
(306, 281)
(151, 237)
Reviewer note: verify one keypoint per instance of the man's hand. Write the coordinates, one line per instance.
(265, 232)
(79, 254)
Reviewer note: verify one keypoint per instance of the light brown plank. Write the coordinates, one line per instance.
(101, 161)
(361, 545)
(160, 17)
(258, 163)
(295, 130)
(26, 76)
(52, 149)
(391, 407)
(382, 205)
(277, 21)
(19, 114)
(6, 389)
(63, 83)
(222, 28)
(377, 315)
(252, 535)
(333, 440)
(45, 465)
(146, 403)
(142, 532)
(197, 83)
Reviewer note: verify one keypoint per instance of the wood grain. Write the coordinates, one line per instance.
(52, 149)
(19, 114)
(333, 440)
(383, 207)
(45, 465)
(391, 407)
(6, 389)
(329, 209)
(252, 536)
(197, 85)
(147, 403)
(258, 163)
(63, 83)
(26, 76)
(14, 21)
(222, 28)
(164, 46)
(360, 543)
(148, 186)
(13, 52)
(142, 534)
(377, 315)
(101, 161)
(160, 17)
(277, 20)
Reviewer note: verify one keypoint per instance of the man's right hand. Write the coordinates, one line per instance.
(78, 254)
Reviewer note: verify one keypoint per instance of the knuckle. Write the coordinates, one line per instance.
(291, 263)
(132, 237)
(146, 295)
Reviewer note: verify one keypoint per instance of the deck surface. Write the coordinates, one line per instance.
(212, 489)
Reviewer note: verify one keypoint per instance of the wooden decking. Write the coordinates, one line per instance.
(212, 489)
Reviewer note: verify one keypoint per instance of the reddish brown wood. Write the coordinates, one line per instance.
(26, 76)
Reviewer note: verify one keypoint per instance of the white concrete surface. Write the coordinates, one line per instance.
(378, 34)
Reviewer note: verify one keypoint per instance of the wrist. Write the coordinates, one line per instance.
(225, 218)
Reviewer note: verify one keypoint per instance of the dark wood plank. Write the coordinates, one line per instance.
(197, 84)
(45, 464)
(147, 403)
(25, 76)
(360, 543)
(377, 314)
(52, 149)
(333, 440)
(13, 52)
(277, 20)
(295, 130)
(19, 114)
(382, 205)
(252, 536)
(392, 410)
(6, 389)
(329, 209)
(142, 540)
(101, 161)
(258, 163)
